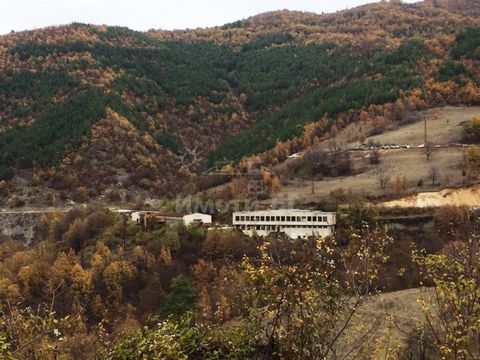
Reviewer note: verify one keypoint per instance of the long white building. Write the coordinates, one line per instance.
(294, 223)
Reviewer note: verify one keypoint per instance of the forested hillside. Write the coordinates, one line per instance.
(152, 110)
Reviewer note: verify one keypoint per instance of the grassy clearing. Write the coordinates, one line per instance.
(444, 127)
(411, 164)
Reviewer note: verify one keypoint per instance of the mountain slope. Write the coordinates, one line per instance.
(379, 23)
(191, 98)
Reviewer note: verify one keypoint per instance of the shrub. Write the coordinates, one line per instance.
(472, 130)
(80, 194)
(181, 299)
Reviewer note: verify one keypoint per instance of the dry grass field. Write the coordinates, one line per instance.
(411, 165)
(443, 126)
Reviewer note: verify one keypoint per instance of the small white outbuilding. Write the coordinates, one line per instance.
(197, 219)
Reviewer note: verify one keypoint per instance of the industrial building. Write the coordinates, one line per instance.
(294, 223)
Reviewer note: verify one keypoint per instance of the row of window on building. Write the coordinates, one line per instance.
(280, 228)
(282, 218)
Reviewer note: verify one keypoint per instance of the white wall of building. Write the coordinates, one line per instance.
(197, 218)
(135, 216)
(189, 219)
(294, 223)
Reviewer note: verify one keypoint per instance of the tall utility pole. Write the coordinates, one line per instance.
(124, 231)
(425, 121)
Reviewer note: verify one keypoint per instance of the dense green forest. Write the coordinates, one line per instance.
(467, 44)
(305, 83)
(181, 70)
(45, 141)
(162, 74)
(286, 86)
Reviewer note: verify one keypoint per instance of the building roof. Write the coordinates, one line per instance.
(169, 214)
(284, 211)
(122, 211)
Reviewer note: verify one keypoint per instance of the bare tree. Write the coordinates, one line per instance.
(334, 146)
(384, 174)
(433, 174)
(451, 309)
(428, 149)
(339, 159)
(374, 155)
(191, 158)
(28, 328)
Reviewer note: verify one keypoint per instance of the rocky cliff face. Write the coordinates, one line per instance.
(21, 226)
